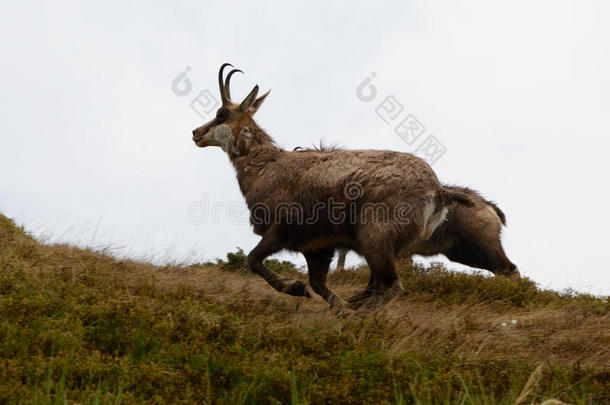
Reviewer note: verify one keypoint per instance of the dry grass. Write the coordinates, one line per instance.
(81, 326)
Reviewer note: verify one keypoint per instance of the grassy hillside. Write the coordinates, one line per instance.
(81, 327)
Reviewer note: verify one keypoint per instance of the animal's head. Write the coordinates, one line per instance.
(230, 115)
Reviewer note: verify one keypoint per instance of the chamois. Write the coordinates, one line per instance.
(470, 235)
(377, 203)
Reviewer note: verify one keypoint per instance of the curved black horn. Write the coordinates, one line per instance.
(223, 93)
(228, 82)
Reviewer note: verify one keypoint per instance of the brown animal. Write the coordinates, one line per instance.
(470, 235)
(377, 203)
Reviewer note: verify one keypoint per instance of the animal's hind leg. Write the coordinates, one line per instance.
(266, 247)
(386, 285)
(318, 263)
(378, 248)
(356, 300)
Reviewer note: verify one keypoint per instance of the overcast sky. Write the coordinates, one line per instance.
(96, 121)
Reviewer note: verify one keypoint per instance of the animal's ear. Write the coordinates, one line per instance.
(249, 100)
(258, 102)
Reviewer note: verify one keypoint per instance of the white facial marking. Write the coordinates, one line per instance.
(223, 135)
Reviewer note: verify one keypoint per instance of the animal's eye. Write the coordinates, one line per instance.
(221, 113)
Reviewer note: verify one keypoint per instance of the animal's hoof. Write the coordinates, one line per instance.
(338, 306)
(357, 300)
(297, 288)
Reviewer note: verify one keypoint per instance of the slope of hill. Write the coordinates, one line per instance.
(78, 326)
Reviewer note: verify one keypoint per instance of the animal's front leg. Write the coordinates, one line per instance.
(317, 266)
(266, 247)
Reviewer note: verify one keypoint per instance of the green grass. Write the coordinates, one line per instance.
(78, 326)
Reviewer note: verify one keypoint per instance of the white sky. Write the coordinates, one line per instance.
(96, 148)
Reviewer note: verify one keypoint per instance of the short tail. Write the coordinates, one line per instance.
(449, 196)
(498, 211)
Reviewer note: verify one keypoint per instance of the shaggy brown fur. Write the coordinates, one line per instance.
(470, 235)
(377, 203)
